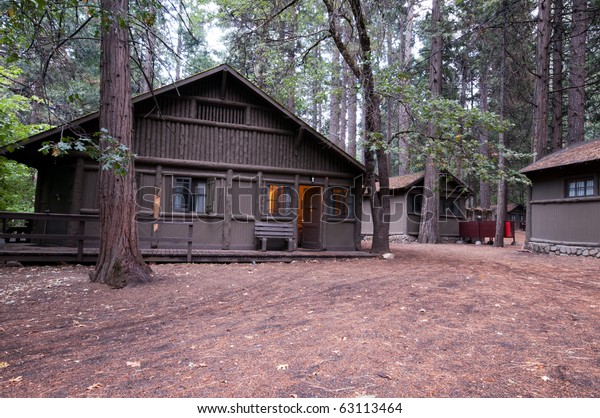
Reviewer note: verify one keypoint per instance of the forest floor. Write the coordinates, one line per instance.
(437, 321)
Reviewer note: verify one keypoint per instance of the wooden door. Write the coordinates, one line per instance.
(311, 203)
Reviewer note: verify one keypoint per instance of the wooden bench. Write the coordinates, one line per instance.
(265, 230)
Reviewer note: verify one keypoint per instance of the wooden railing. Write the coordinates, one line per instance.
(21, 227)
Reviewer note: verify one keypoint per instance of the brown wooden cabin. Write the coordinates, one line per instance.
(216, 152)
(406, 201)
(564, 207)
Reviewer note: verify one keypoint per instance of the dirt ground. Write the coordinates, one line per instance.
(437, 321)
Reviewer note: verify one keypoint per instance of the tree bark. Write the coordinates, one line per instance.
(557, 76)
(403, 115)
(540, 118)
(119, 261)
(334, 103)
(484, 185)
(429, 232)
(576, 93)
(502, 186)
(352, 107)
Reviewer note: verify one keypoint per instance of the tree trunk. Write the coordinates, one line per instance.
(540, 118)
(502, 187)
(576, 94)
(334, 103)
(484, 185)
(403, 116)
(429, 232)
(557, 77)
(119, 260)
(363, 69)
(343, 126)
(352, 107)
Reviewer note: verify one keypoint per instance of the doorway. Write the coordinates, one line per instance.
(309, 217)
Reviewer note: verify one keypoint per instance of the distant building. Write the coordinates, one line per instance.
(564, 209)
(407, 198)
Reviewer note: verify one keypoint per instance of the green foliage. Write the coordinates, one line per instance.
(104, 148)
(17, 182)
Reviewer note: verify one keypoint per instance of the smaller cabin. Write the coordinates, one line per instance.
(406, 200)
(565, 201)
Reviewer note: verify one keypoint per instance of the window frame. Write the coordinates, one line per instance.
(193, 190)
(340, 208)
(585, 187)
(276, 207)
(448, 204)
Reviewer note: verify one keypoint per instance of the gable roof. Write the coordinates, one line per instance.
(409, 180)
(578, 153)
(174, 89)
(406, 181)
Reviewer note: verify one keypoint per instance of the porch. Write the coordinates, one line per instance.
(51, 237)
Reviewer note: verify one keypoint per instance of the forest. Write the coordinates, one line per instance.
(480, 88)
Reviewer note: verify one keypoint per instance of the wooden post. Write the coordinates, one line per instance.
(324, 214)
(156, 205)
(295, 204)
(228, 211)
(358, 214)
(80, 232)
(76, 194)
(190, 241)
(257, 202)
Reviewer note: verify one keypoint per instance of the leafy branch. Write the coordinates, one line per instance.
(108, 151)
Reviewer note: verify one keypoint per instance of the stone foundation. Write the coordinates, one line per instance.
(409, 239)
(558, 249)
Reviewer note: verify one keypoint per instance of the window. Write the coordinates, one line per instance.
(280, 200)
(341, 202)
(449, 206)
(182, 194)
(192, 195)
(580, 187)
(415, 202)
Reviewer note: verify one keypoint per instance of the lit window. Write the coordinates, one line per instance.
(280, 200)
(580, 187)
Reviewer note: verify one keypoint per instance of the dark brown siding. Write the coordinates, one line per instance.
(239, 129)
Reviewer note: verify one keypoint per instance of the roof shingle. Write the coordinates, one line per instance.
(575, 154)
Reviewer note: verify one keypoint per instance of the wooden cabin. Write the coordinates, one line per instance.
(215, 156)
(565, 201)
(406, 200)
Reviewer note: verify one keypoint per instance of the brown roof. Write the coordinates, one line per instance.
(402, 182)
(574, 154)
(409, 180)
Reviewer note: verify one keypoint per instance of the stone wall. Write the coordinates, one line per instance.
(546, 248)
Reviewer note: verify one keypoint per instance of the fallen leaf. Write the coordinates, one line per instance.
(133, 363)
(282, 367)
(384, 375)
(203, 365)
(3, 365)
(78, 324)
(16, 379)
(94, 386)
(545, 378)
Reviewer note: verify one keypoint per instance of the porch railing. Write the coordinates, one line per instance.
(22, 227)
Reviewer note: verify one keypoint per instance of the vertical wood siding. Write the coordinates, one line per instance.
(575, 222)
(271, 143)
